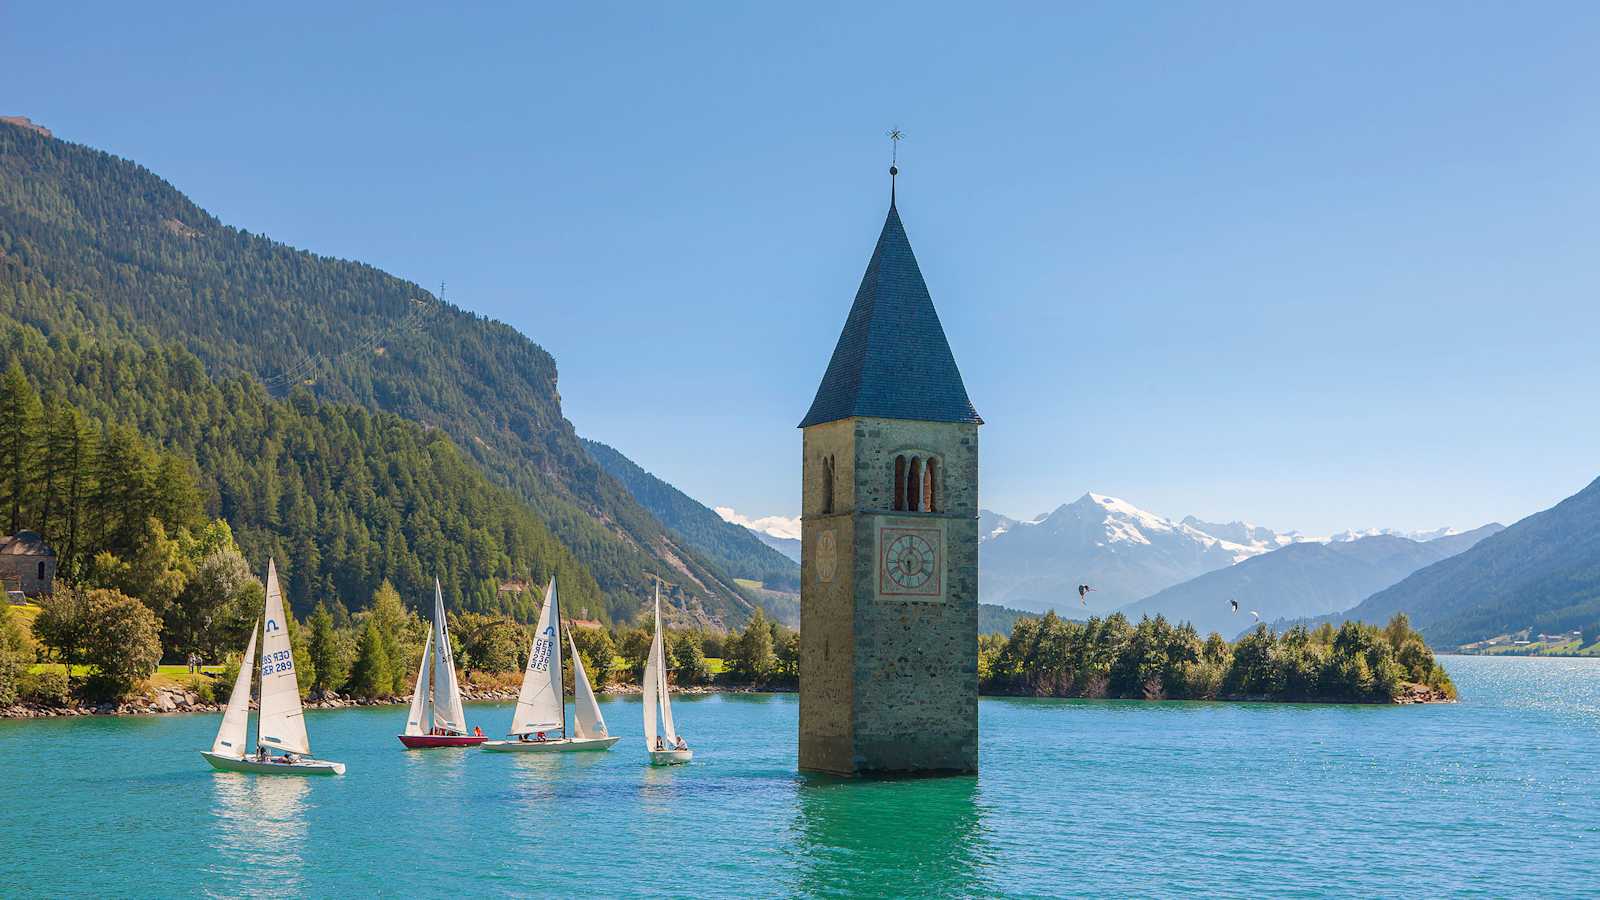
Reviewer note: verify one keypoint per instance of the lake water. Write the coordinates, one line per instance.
(1495, 795)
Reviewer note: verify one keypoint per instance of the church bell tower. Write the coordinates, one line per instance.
(889, 537)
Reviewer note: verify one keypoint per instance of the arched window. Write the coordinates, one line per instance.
(930, 479)
(41, 570)
(914, 486)
(899, 483)
(827, 484)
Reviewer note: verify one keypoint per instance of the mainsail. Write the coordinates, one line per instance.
(447, 712)
(235, 730)
(655, 688)
(650, 688)
(539, 703)
(586, 719)
(421, 698)
(668, 730)
(282, 722)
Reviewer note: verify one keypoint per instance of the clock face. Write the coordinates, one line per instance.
(909, 561)
(827, 555)
(910, 564)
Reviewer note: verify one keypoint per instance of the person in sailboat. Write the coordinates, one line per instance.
(660, 744)
(681, 744)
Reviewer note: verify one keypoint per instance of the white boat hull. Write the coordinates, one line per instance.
(560, 745)
(670, 757)
(299, 767)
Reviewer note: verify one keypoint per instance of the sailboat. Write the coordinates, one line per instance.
(665, 747)
(281, 723)
(436, 718)
(542, 704)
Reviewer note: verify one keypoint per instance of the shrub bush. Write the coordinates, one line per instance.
(203, 686)
(10, 674)
(46, 688)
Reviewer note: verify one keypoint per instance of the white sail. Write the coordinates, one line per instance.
(447, 712)
(539, 704)
(668, 731)
(650, 685)
(586, 719)
(421, 700)
(655, 688)
(235, 730)
(282, 723)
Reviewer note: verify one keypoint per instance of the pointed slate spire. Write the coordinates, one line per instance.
(892, 360)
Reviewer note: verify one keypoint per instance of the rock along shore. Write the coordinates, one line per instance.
(163, 700)
(181, 700)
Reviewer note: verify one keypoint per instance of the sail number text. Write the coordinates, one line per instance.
(273, 663)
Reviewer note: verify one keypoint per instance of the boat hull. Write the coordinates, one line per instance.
(426, 741)
(301, 767)
(670, 757)
(562, 745)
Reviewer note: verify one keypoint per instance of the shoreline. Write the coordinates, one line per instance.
(168, 700)
(173, 700)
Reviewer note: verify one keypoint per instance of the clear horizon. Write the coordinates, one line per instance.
(1315, 269)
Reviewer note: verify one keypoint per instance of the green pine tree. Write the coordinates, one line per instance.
(20, 422)
(372, 675)
(325, 651)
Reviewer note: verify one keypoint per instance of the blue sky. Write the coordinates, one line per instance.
(1316, 268)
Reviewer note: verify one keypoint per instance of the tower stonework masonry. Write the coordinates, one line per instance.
(889, 539)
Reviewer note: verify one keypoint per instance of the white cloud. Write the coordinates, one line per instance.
(776, 526)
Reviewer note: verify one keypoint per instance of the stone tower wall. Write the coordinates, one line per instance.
(827, 604)
(905, 698)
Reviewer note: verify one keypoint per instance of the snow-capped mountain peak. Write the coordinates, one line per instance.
(1247, 534)
(781, 533)
(1125, 523)
(1124, 552)
(1418, 536)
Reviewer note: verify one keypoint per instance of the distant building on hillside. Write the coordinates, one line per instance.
(27, 564)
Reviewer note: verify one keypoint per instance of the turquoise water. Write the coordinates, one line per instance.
(1495, 795)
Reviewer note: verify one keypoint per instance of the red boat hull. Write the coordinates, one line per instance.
(424, 741)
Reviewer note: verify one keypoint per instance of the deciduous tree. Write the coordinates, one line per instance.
(122, 642)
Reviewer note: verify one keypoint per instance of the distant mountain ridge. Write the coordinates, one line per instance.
(1128, 554)
(1542, 572)
(736, 549)
(1124, 552)
(781, 533)
(788, 547)
(1301, 579)
(1246, 534)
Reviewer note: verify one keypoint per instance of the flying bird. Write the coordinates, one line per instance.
(1083, 594)
(1256, 614)
(1235, 602)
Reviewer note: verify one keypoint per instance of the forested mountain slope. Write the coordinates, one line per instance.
(1541, 573)
(342, 497)
(93, 245)
(733, 547)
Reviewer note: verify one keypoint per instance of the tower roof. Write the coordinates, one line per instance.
(892, 360)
